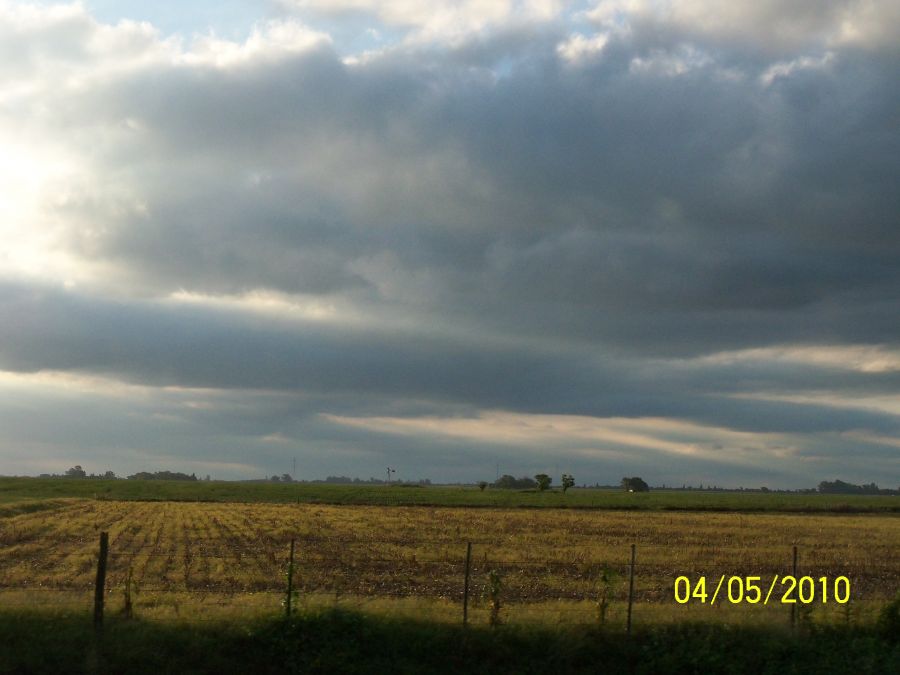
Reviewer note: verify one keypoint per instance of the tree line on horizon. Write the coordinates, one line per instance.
(78, 472)
(540, 482)
(842, 488)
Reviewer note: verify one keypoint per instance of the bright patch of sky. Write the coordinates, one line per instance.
(232, 19)
(353, 33)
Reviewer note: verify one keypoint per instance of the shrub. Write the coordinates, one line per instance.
(889, 619)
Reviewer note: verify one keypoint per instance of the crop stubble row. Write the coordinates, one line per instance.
(419, 551)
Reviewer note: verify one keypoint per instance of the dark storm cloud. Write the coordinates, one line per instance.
(200, 347)
(372, 369)
(554, 197)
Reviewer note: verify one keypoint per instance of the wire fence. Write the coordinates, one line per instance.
(491, 581)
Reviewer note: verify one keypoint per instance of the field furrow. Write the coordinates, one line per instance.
(211, 553)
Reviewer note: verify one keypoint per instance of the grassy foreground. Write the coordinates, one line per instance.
(25, 489)
(340, 641)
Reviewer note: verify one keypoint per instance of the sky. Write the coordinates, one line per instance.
(609, 238)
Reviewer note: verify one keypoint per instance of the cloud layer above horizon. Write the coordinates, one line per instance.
(612, 238)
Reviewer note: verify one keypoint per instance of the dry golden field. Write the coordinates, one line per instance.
(555, 565)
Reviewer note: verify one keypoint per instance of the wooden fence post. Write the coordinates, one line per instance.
(630, 591)
(466, 586)
(100, 586)
(290, 583)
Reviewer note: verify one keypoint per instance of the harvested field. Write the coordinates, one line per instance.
(553, 563)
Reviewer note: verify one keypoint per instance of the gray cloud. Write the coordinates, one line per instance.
(591, 187)
(371, 369)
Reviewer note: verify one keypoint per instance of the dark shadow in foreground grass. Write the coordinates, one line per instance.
(346, 642)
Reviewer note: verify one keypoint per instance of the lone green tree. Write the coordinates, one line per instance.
(635, 484)
(567, 481)
(543, 481)
(509, 482)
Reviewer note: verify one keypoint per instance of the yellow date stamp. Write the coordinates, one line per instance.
(752, 590)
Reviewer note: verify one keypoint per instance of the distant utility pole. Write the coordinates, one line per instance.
(498, 470)
(294, 469)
